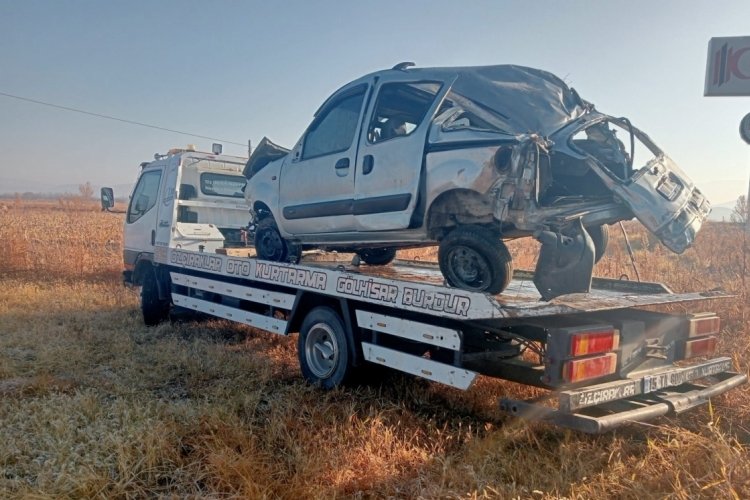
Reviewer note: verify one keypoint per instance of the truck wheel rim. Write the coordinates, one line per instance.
(321, 350)
(469, 268)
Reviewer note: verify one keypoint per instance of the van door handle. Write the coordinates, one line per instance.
(342, 163)
(367, 164)
(153, 236)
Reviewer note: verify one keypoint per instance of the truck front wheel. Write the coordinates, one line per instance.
(475, 258)
(322, 349)
(154, 309)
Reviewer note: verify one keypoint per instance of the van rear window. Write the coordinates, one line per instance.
(231, 186)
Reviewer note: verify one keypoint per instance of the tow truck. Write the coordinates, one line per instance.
(602, 357)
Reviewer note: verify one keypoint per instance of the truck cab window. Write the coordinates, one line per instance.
(230, 186)
(144, 196)
(333, 132)
(400, 108)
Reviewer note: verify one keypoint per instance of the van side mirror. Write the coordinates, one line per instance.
(107, 197)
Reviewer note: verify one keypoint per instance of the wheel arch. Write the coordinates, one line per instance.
(458, 206)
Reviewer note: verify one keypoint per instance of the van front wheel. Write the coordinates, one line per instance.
(269, 245)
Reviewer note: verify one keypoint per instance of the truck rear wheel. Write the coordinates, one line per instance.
(377, 256)
(474, 258)
(154, 309)
(323, 350)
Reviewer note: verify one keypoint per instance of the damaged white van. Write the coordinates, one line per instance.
(466, 158)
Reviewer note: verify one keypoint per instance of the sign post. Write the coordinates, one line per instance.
(728, 74)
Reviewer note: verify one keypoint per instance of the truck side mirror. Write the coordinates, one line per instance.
(107, 198)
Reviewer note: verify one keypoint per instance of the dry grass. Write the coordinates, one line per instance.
(93, 404)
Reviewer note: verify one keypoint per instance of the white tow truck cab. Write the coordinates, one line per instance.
(184, 199)
(605, 360)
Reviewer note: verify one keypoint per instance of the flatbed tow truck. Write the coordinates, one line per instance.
(604, 360)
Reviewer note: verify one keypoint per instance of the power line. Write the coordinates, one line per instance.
(123, 120)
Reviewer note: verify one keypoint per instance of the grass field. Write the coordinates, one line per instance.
(94, 404)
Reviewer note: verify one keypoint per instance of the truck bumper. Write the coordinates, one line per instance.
(649, 403)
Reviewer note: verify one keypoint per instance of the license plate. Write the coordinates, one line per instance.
(674, 378)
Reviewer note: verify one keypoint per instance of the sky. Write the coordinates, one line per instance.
(243, 70)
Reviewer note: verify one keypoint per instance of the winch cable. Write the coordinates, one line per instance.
(630, 251)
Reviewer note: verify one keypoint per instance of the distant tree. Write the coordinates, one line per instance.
(86, 190)
(739, 213)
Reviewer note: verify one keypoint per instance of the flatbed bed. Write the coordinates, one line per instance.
(405, 317)
(396, 285)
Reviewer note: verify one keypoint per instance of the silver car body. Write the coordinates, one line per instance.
(510, 147)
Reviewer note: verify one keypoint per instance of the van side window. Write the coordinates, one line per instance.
(333, 132)
(144, 196)
(400, 108)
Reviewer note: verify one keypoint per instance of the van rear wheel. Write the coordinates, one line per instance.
(475, 258)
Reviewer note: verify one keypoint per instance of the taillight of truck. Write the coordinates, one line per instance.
(591, 353)
(594, 342)
(700, 347)
(579, 370)
(702, 330)
(703, 324)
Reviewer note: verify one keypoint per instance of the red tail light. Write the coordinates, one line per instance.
(700, 347)
(703, 324)
(578, 370)
(594, 342)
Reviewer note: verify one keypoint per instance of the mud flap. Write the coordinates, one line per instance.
(566, 261)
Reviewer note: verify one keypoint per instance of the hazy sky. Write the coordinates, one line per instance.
(242, 70)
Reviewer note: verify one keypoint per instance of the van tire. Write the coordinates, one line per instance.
(600, 237)
(269, 245)
(377, 256)
(475, 258)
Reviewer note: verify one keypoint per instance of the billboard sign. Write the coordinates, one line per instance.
(728, 67)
